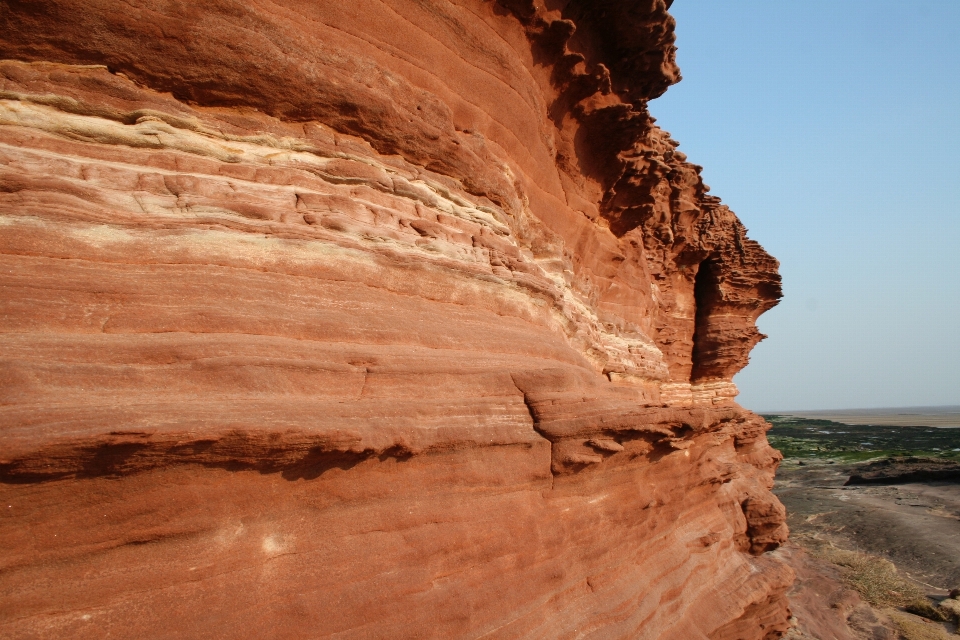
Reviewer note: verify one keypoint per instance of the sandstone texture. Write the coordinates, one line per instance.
(370, 319)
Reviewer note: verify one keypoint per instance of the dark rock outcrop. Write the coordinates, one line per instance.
(906, 469)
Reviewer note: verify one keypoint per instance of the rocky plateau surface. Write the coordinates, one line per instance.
(370, 319)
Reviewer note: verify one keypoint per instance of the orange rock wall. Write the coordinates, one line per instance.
(371, 319)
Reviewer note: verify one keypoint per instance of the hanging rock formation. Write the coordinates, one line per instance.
(370, 319)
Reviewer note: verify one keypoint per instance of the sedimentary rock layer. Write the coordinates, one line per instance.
(370, 319)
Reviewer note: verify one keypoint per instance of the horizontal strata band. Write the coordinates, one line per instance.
(371, 319)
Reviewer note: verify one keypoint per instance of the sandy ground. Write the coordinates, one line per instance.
(824, 609)
(903, 417)
(916, 526)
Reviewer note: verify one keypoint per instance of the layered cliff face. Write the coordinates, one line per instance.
(388, 318)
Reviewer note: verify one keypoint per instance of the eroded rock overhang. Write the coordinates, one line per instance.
(421, 244)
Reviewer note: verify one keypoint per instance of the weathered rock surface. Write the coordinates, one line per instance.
(385, 318)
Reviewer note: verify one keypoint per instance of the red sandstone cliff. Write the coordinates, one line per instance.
(369, 319)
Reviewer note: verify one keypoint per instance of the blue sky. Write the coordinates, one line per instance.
(833, 130)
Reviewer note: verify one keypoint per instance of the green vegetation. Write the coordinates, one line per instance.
(807, 438)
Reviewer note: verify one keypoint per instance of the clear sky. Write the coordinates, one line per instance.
(832, 128)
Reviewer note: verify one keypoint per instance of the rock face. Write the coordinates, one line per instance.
(369, 319)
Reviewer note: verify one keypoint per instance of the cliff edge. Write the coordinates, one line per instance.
(368, 319)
